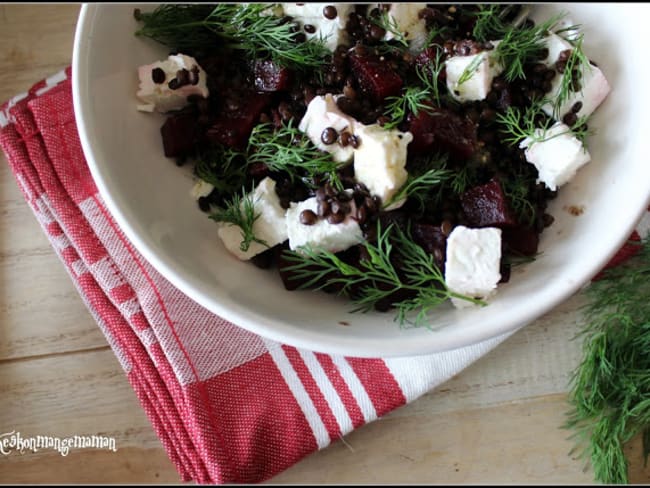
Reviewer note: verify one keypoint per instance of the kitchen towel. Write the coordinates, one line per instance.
(228, 406)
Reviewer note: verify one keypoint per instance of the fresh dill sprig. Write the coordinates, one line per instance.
(534, 125)
(577, 63)
(376, 279)
(240, 211)
(413, 100)
(224, 168)
(517, 191)
(240, 26)
(471, 68)
(288, 149)
(430, 74)
(519, 46)
(489, 23)
(418, 186)
(390, 25)
(610, 389)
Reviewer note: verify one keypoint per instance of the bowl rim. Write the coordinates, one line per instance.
(271, 329)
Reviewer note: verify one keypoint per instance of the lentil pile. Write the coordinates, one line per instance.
(488, 183)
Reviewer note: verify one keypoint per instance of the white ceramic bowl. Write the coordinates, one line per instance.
(149, 197)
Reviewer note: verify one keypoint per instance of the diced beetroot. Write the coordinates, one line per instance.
(486, 206)
(233, 127)
(432, 240)
(521, 240)
(375, 76)
(179, 134)
(269, 77)
(426, 60)
(440, 129)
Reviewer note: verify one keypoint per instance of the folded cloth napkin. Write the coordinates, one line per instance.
(228, 406)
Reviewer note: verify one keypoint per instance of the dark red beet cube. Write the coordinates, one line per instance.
(432, 240)
(440, 129)
(179, 133)
(232, 128)
(487, 206)
(375, 76)
(269, 77)
(521, 240)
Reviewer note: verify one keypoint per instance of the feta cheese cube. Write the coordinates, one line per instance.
(594, 86)
(332, 31)
(594, 90)
(557, 156)
(380, 160)
(322, 234)
(159, 96)
(405, 17)
(478, 71)
(322, 112)
(201, 189)
(472, 263)
(269, 227)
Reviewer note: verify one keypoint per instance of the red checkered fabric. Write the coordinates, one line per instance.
(228, 406)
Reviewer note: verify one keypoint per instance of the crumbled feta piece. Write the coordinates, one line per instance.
(159, 96)
(322, 234)
(380, 160)
(405, 17)
(269, 227)
(322, 112)
(594, 86)
(594, 90)
(478, 70)
(472, 263)
(332, 31)
(201, 189)
(557, 157)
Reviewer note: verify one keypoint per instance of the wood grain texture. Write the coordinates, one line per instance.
(497, 422)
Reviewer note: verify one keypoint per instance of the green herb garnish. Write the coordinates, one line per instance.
(471, 68)
(418, 186)
(412, 101)
(376, 280)
(224, 168)
(240, 211)
(239, 26)
(610, 389)
(387, 22)
(577, 63)
(288, 149)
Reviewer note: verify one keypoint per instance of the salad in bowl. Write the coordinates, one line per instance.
(369, 180)
(401, 155)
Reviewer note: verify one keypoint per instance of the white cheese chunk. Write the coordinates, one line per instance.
(201, 189)
(557, 156)
(469, 78)
(161, 98)
(322, 112)
(472, 263)
(380, 160)
(322, 234)
(332, 31)
(594, 90)
(594, 86)
(269, 227)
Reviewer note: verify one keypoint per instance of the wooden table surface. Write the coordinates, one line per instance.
(499, 421)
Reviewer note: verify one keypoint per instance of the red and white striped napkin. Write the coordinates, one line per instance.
(229, 406)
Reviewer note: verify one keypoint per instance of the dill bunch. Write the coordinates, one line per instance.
(244, 27)
(610, 389)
